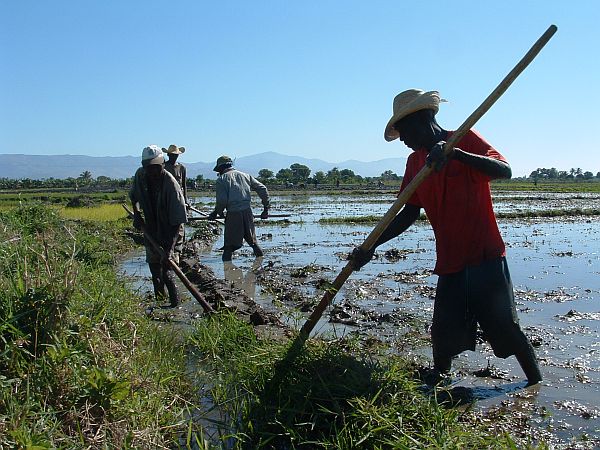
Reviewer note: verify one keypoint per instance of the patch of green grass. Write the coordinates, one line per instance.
(349, 220)
(105, 212)
(80, 367)
(356, 220)
(330, 395)
(557, 186)
(56, 197)
(547, 213)
(566, 212)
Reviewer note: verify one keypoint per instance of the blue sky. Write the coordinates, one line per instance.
(313, 79)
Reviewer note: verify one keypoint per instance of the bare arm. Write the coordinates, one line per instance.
(405, 218)
(494, 168)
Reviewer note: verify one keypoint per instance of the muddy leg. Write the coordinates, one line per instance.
(169, 277)
(227, 253)
(257, 251)
(439, 375)
(528, 362)
(157, 282)
(442, 363)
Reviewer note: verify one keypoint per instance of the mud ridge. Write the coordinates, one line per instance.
(222, 295)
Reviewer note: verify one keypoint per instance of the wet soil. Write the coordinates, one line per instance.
(555, 265)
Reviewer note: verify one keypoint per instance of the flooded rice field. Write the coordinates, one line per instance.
(555, 267)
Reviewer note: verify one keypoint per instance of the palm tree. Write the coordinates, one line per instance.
(85, 178)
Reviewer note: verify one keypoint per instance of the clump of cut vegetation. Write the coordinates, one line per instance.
(349, 220)
(303, 272)
(80, 367)
(356, 219)
(328, 395)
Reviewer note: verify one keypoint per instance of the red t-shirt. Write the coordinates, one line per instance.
(458, 204)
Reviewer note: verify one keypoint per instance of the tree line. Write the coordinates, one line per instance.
(554, 174)
(296, 175)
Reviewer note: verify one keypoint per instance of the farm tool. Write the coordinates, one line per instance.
(188, 284)
(418, 179)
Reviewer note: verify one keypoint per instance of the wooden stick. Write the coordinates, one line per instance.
(188, 284)
(274, 216)
(424, 173)
(202, 213)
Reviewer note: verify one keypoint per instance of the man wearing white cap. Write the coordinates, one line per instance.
(156, 194)
(474, 285)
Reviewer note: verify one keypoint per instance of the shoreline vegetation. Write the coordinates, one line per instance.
(82, 366)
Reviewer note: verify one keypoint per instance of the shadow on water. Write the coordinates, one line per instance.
(465, 395)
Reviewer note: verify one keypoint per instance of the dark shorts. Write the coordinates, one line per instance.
(477, 295)
(239, 226)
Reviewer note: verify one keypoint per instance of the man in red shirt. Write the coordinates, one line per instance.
(474, 285)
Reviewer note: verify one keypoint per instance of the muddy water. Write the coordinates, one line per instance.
(555, 266)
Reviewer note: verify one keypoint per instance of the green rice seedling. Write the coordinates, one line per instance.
(349, 220)
(557, 186)
(548, 213)
(103, 213)
(356, 220)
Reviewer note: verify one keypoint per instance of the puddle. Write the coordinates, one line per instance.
(555, 267)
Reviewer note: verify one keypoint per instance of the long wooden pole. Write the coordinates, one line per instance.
(188, 284)
(424, 173)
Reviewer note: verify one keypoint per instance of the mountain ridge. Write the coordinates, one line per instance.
(37, 167)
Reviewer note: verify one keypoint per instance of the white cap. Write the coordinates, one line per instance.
(152, 155)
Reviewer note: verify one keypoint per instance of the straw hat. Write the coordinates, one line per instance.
(152, 155)
(222, 160)
(174, 150)
(408, 102)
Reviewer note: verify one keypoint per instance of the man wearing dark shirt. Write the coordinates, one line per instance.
(156, 194)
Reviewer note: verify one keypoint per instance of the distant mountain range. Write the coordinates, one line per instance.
(38, 167)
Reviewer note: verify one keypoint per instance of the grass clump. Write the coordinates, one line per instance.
(80, 368)
(548, 213)
(349, 220)
(331, 395)
(105, 212)
(556, 186)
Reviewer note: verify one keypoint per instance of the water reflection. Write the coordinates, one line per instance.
(243, 281)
